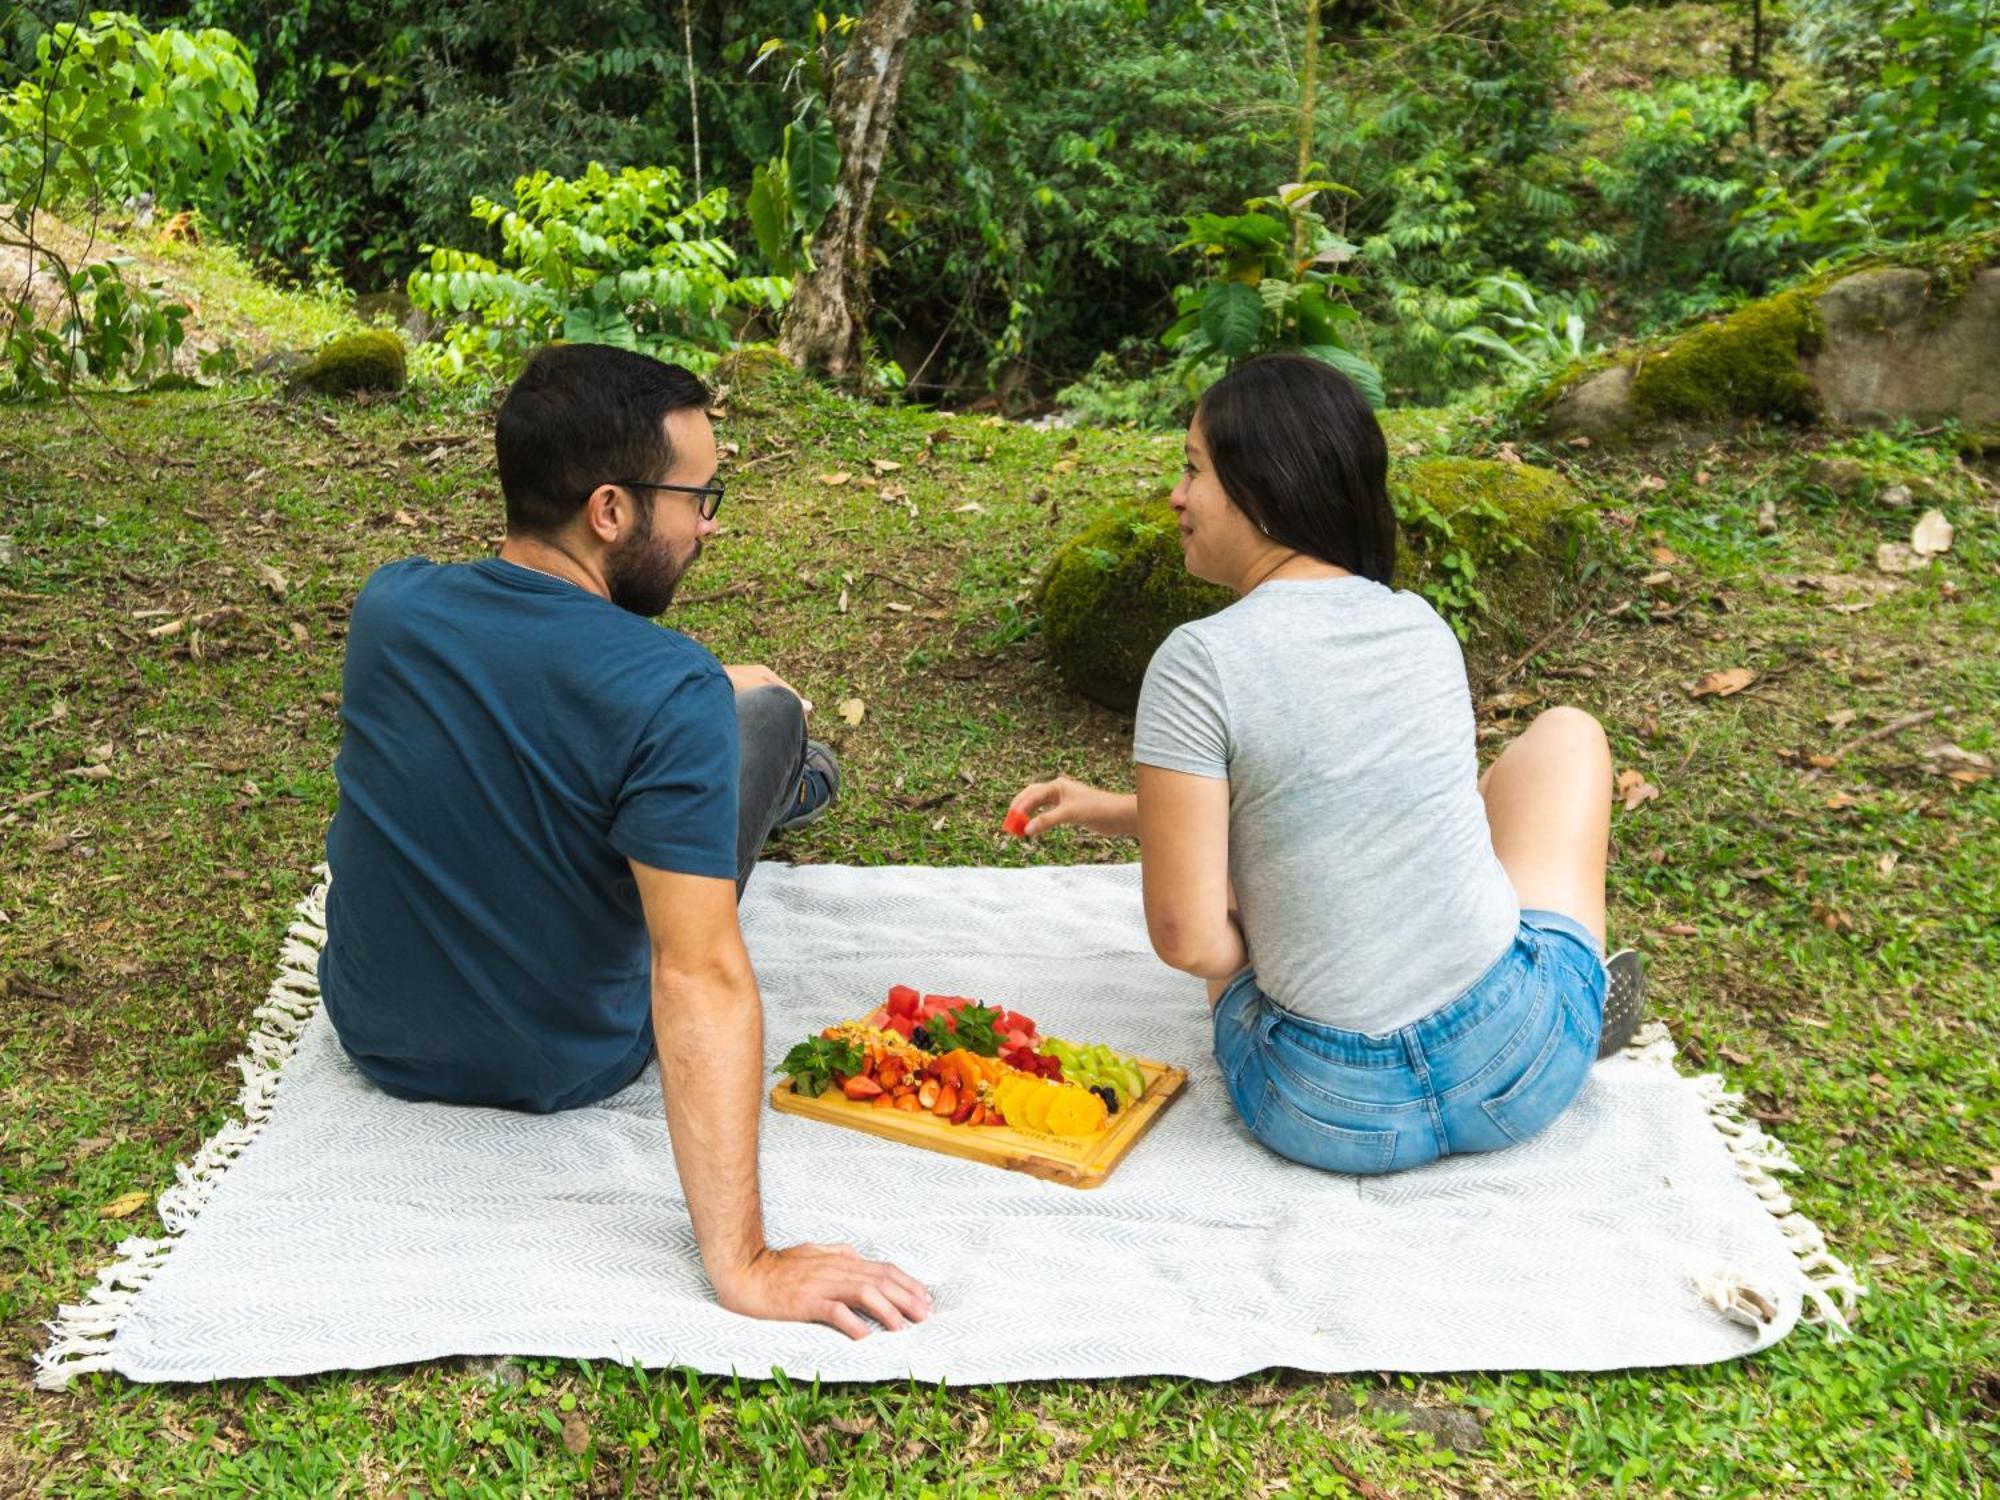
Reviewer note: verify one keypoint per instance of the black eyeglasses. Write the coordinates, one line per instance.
(711, 493)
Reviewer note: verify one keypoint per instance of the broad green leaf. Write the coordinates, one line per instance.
(1232, 316)
(812, 167)
(1357, 368)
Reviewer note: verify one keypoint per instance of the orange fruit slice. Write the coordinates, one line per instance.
(1074, 1112)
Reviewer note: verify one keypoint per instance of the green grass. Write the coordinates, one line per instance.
(1852, 996)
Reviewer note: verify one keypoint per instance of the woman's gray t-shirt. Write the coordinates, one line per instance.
(1338, 712)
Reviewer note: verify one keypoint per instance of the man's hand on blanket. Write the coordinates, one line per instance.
(829, 1284)
(1051, 804)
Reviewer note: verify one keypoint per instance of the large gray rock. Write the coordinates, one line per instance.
(1882, 345)
(1888, 351)
(1597, 406)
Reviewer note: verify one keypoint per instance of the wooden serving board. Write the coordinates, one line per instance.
(1082, 1162)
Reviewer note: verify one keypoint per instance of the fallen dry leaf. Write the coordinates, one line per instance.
(970, 506)
(1931, 535)
(1886, 865)
(1840, 718)
(1657, 580)
(1992, 1182)
(1666, 557)
(1723, 684)
(1634, 789)
(575, 1434)
(1652, 482)
(1842, 799)
(404, 518)
(89, 773)
(884, 465)
(836, 480)
(273, 580)
(97, 755)
(853, 710)
(125, 1205)
(1955, 761)
(1507, 703)
(1680, 929)
(1897, 557)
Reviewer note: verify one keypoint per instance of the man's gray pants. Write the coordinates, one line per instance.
(771, 724)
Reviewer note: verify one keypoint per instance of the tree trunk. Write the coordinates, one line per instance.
(829, 308)
(1308, 88)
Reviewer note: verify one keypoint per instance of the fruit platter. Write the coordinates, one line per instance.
(945, 1073)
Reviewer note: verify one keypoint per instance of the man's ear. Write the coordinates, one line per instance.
(607, 514)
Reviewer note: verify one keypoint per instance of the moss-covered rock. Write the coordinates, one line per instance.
(748, 368)
(371, 360)
(1901, 337)
(1482, 540)
(1477, 541)
(1115, 592)
(1745, 365)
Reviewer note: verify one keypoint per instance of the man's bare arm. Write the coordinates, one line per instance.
(709, 1027)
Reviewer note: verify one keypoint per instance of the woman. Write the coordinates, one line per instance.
(1404, 957)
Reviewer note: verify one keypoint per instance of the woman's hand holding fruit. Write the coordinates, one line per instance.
(1065, 800)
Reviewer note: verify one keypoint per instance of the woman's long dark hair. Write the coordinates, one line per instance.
(1299, 452)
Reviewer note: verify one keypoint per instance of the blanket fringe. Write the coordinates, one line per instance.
(1832, 1289)
(80, 1338)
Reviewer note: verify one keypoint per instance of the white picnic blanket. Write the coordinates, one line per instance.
(334, 1227)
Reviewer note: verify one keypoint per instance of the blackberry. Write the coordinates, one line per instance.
(921, 1039)
(1108, 1094)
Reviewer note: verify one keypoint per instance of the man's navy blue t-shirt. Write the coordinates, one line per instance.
(510, 741)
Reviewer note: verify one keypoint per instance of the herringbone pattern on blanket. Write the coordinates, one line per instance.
(355, 1230)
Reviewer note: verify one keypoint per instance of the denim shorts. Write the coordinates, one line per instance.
(1489, 1069)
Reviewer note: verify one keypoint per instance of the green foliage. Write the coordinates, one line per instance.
(791, 193)
(370, 360)
(1682, 169)
(1124, 392)
(109, 329)
(1540, 329)
(812, 1063)
(1261, 296)
(112, 109)
(1918, 157)
(1464, 520)
(609, 258)
(1746, 364)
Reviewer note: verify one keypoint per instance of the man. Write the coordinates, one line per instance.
(548, 808)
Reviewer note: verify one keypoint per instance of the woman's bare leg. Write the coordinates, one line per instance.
(1548, 802)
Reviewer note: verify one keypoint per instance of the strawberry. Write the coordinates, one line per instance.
(1016, 823)
(861, 1086)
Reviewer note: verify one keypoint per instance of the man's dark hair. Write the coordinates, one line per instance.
(1299, 452)
(581, 415)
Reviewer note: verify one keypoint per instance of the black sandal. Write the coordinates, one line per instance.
(1624, 1000)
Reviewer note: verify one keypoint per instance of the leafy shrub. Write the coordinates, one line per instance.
(1918, 157)
(112, 109)
(109, 329)
(108, 109)
(609, 258)
(1260, 297)
(1682, 169)
(1125, 392)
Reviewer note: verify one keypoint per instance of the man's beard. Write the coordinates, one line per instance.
(642, 574)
